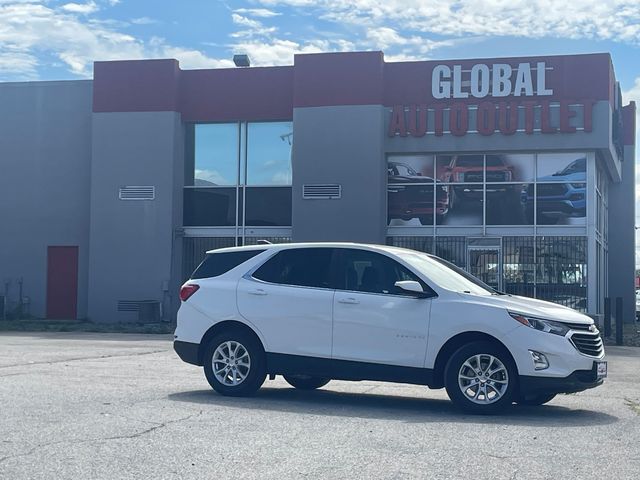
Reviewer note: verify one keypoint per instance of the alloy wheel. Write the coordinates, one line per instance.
(231, 363)
(483, 379)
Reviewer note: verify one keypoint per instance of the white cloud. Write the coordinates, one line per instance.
(28, 31)
(143, 21)
(251, 27)
(257, 12)
(211, 176)
(280, 52)
(617, 20)
(83, 8)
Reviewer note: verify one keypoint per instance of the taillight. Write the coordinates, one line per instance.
(187, 290)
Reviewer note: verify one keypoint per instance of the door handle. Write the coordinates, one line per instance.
(257, 291)
(349, 301)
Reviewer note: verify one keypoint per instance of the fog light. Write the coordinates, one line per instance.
(540, 362)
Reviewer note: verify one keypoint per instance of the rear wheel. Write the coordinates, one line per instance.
(536, 400)
(306, 382)
(234, 363)
(480, 378)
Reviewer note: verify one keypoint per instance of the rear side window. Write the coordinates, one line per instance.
(305, 267)
(215, 264)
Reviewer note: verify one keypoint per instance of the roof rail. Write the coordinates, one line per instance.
(263, 242)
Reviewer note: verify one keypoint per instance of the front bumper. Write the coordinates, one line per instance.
(188, 352)
(577, 381)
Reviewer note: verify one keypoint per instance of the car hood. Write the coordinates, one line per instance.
(535, 308)
(572, 177)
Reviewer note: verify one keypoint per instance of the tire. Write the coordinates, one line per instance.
(426, 219)
(306, 382)
(536, 400)
(484, 395)
(250, 365)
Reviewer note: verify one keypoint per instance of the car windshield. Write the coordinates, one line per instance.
(494, 161)
(445, 274)
(577, 166)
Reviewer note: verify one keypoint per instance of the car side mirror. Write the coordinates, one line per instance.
(412, 287)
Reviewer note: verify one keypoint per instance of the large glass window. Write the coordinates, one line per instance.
(269, 153)
(505, 189)
(211, 207)
(238, 174)
(268, 206)
(215, 155)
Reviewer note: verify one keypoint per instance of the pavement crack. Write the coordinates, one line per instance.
(141, 433)
(76, 359)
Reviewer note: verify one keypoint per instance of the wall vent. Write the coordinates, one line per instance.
(137, 192)
(322, 191)
(128, 305)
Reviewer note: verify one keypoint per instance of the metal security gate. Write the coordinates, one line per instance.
(485, 263)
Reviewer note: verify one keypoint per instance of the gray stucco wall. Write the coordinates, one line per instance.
(132, 241)
(340, 145)
(622, 215)
(45, 160)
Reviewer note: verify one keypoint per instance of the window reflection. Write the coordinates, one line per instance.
(216, 154)
(268, 206)
(269, 153)
(210, 207)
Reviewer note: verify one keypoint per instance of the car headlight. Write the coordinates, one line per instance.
(541, 324)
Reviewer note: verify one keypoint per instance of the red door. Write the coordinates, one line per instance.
(62, 282)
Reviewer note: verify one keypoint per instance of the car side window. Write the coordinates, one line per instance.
(215, 264)
(371, 272)
(305, 267)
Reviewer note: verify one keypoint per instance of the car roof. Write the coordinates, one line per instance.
(286, 246)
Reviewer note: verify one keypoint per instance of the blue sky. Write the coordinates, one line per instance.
(57, 40)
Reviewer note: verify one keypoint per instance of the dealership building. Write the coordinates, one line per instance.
(519, 170)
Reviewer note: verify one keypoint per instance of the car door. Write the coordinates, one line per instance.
(374, 321)
(289, 299)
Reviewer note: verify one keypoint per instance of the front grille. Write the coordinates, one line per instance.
(473, 177)
(496, 176)
(579, 326)
(551, 189)
(588, 343)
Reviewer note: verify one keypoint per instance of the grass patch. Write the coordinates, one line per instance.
(634, 406)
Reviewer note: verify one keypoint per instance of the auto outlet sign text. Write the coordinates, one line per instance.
(507, 99)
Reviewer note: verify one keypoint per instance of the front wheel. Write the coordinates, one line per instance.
(480, 378)
(234, 363)
(306, 382)
(536, 400)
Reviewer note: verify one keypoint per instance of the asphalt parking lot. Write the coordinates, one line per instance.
(108, 406)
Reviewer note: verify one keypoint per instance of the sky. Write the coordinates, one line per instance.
(59, 40)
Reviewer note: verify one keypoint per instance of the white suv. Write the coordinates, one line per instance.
(320, 311)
